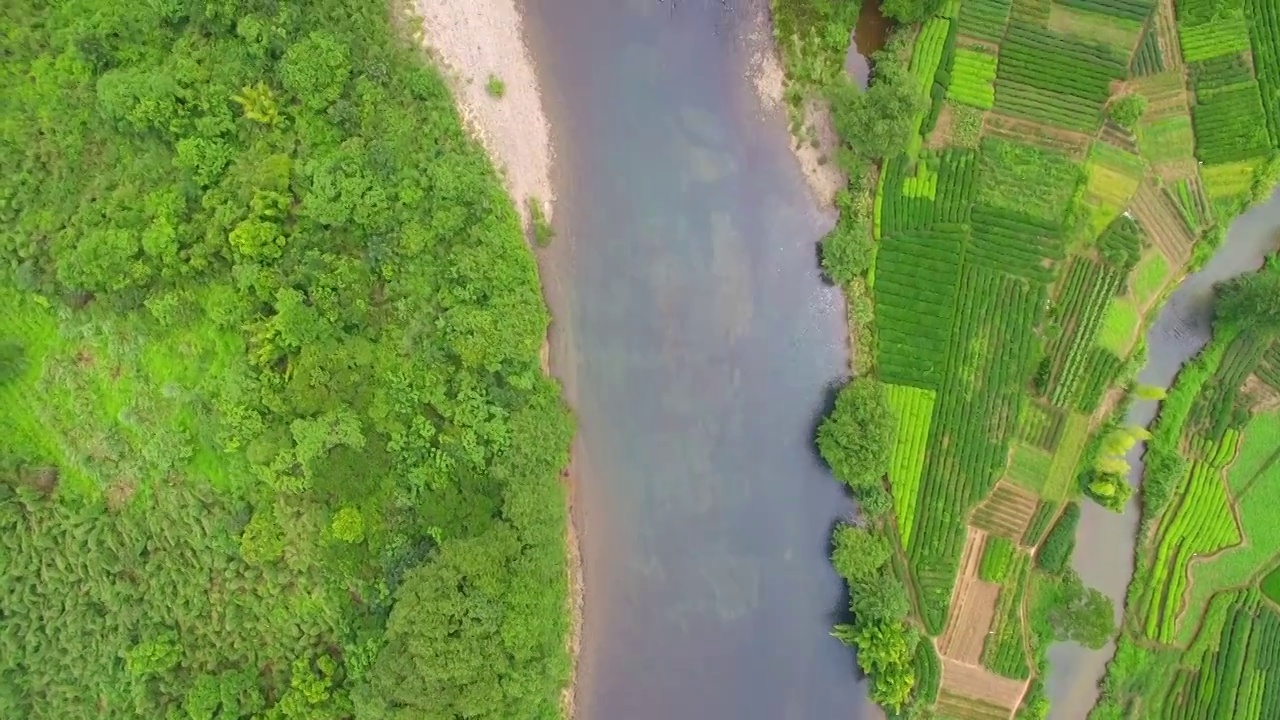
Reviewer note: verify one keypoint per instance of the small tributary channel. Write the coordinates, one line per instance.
(699, 348)
(1105, 544)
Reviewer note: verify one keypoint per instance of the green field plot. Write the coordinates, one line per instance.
(1014, 243)
(1169, 139)
(1237, 565)
(1227, 36)
(998, 557)
(1040, 521)
(984, 19)
(1029, 467)
(1268, 369)
(1149, 278)
(1220, 73)
(1148, 58)
(898, 210)
(1270, 585)
(914, 410)
(1264, 32)
(1080, 307)
(1119, 327)
(917, 278)
(1035, 58)
(1201, 524)
(1041, 425)
(1025, 179)
(973, 78)
(1062, 472)
(1230, 125)
(1119, 33)
(1113, 176)
(1220, 405)
(977, 406)
(1193, 205)
(1259, 451)
(1232, 671)
(1132, 10)
(957, 185)
(1230, 180)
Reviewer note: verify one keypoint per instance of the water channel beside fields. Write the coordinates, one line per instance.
(1105, 542)
(699, 348)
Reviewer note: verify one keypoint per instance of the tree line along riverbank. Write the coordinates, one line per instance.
(1028, 183)
(277, 442)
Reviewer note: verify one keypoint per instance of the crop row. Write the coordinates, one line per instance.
(997, 559)
(1147, 60)
(1039, 522)
(984, 18)
(1235, 675)
(1264, 30)
(1220, 72)
(900, 212)
(972, 76)
(1100, 372)
(1269, 369)
(1191, 202)
(1201, 524)
(1036, 57)
(924, 184)
(957, 183)
(1040, 425)
(1227, 36)
(913, 408)
(1229, 180)
(1121, 244)
(917, 279)
(1231, 125)
(1217, 453)
(1219, 403)
(1047, 105)
(1127, 9)
(1168, 139)
(1026, 180)
(1082, 303)
(1018, 245)
(1004, 652)
(987, 365)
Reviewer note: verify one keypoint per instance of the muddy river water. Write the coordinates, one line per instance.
(1105, 542)
(699, 348)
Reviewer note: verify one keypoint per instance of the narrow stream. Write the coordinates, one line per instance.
(699, 348)
(1105, 541)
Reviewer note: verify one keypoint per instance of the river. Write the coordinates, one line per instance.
(699, 348)
(1105, 542)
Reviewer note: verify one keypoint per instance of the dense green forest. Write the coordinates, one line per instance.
(274, 437)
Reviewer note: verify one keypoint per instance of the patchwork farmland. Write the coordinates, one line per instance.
(1014, 275)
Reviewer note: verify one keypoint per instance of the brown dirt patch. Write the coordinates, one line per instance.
(1167, 35)
(1263, 397)
(1156, 214)
(963, 681)
(941, 135)
(1006, 511)
(973, 606)
(1074, 144)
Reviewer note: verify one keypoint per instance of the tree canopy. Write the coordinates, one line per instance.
(277, 440)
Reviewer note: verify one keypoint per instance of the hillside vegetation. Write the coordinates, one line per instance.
(1028, 181)
(274, 437)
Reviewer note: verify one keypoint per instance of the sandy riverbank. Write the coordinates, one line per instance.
(815, 147)
(476, 41)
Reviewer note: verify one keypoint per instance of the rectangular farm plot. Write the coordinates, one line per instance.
(1119, 326)
(1120, 33)
(973, 78)
(913, 408)
(1230, 180)
(1167, 140)
(1059, 80)
(1014, 243)
(984, 19)
(1029, 467)
(1202, 524)
(1026, 180)
(1230, 125)
(1131, 10)
(1264, 31)
(917, 280)
(1006, 512)
(1216, 38)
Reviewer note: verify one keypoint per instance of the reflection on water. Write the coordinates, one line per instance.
(1105, 541)
(869, 35)
(698, 343)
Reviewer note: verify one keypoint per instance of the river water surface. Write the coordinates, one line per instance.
(1105, 543)
(699, 348)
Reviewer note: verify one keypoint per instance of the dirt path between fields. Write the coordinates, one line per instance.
(479, 42)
